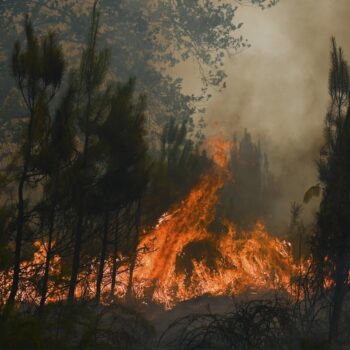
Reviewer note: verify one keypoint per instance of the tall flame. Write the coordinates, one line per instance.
(250, 260)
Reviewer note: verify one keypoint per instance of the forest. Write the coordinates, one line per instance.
(126, 220)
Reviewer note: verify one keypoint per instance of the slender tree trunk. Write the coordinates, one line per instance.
(76, 258)
(134, 250)
(102, 259)
(115, 252)
(20, 216)
(18, 241)
(47, 261)
(81, 211)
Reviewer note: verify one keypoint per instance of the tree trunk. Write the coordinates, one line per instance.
(80, 211)
(76, 258)
(134, 250)
(18, 241)
(102, 259)
(21, 215)
(115, 252)
(47, 262)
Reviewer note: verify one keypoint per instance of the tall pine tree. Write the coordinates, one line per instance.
(331, 243)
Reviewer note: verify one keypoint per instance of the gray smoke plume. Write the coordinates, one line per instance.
(278, 88)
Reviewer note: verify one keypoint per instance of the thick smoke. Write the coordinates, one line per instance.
(278, 88)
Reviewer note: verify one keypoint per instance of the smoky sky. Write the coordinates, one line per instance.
(277, 88)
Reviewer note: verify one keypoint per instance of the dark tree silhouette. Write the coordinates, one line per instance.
(331, 243)
(38, 73)
(90, 106)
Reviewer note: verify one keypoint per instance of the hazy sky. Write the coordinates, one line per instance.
(278, 87)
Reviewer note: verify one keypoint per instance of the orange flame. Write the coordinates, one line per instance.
(255, 260)
(244, 261)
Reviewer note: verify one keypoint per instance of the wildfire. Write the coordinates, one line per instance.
(219, 150)
(253, 260)
(184, 258)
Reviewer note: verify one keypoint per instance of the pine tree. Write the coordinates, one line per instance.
(91, 105)
(38, 72)
(123, 151)
(331, 243)
(53, 161)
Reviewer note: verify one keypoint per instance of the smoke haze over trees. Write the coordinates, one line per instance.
(131, 190)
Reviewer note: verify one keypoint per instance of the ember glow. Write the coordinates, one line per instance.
(231, 262)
